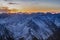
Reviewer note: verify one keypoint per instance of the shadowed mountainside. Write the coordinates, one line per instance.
(33, 26)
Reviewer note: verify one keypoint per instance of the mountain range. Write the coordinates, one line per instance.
(34, 26)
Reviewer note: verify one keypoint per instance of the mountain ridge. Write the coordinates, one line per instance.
(31, 26)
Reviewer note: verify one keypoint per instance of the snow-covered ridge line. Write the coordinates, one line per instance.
(31, 13)
(29, 26)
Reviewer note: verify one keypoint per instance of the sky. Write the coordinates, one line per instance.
(32, 5)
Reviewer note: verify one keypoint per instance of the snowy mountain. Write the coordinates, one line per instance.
(35, 26)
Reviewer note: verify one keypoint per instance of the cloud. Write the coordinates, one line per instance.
(32, 4)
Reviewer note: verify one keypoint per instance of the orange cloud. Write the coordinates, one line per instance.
(6, 9)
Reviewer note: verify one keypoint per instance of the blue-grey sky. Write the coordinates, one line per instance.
(33, 5)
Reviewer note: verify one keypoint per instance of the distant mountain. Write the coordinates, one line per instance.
(35, 26)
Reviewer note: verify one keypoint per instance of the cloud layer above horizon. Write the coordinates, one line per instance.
(32, 5)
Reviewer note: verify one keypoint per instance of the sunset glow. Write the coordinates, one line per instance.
(29, 6)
